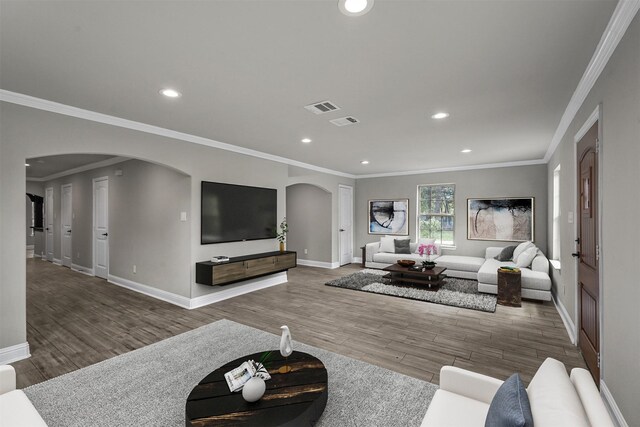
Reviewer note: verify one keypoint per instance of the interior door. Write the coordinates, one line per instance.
(346, 224)
(66, 220)
(48, 207)
(589, 251)
(101, 227)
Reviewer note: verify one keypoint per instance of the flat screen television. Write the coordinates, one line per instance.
(234, 213)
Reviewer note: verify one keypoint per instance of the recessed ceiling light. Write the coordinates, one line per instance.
(27, 164)
(306, 140)
(355, 7)
(439, 116)
(466, 150)
(365, 162)
(171, 93)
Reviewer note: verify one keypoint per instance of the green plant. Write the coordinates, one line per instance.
(284, 229)
(262, 365)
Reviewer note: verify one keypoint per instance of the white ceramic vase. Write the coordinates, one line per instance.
(253, 389)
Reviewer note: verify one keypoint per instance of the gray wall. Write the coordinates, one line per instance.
(27, 133)
(618, 92)
(309, 219)
(518, 181)
(37, 239)
(144, 229)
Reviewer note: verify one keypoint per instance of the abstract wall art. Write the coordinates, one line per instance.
(506, 219)
(389, 217)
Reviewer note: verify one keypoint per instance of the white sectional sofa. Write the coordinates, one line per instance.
(535, 280)
(555, 398)
(16, 410)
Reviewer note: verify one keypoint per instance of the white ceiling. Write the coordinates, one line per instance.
(41, 167)
(504, 70)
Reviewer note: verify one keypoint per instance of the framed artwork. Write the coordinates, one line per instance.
(507, 219)
(389, 217)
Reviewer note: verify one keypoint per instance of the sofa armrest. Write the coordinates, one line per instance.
(492, 252)
(540, 263)
(7, 379)
(469, 384)
(590, 398)
(370, 250)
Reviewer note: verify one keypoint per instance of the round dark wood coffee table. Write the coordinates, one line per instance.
(296, 398)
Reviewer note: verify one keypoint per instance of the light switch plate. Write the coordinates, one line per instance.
(183, 216)
(570, 217)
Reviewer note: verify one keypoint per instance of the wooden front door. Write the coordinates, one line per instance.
(589, 251)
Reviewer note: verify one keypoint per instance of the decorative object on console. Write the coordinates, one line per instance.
(507, 219)
(406, 262)
(389, 217)
(282, 234)
(285, 348)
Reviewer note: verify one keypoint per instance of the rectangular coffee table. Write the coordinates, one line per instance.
(431, 279)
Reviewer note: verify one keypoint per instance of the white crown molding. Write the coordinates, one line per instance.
(67, 110)
(612, 406)
(566, 319)
(320, 264)
(456, 168)
(79, 169)
(14, 353)
(620, 19)
(587, 125)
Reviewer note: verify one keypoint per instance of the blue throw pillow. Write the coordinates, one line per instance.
(510, 406)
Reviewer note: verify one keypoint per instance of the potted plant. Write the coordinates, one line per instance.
(428, 250)
(282, 234)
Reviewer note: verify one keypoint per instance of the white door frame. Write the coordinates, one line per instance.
(93, 223)
(340, 187)
(48, 241)
(62, 228)
(596, 116)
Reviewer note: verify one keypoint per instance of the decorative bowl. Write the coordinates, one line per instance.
(405, 262)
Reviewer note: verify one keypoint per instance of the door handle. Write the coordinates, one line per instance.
(342, 229)
(576, 254)
(105, 234)
(69, 231)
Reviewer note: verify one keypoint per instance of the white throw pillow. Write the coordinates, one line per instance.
(521, 248)
(526, 258)
(425, 242)
(387, 244)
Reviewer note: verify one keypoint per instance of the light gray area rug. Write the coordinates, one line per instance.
(455, 292)
(149, 386)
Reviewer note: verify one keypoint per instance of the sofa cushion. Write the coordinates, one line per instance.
(453, 410)
(526, 257)
(16, 410)
(529, 279)
(521, 248)
(554, 400)
(460, 263)
(387, 244)
(401, 246)
(386, 258)
(506, 254)
(510, 405)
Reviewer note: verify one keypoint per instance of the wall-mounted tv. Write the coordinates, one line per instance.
(233, 213)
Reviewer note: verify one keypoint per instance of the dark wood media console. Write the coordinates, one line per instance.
(244, 267)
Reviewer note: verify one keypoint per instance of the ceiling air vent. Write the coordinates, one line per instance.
(322, 107)
(345, 121)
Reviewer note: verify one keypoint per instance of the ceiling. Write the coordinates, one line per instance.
(504, 70)
(41, 167)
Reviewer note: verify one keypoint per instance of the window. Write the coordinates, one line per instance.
(556, 214)
(436, 213)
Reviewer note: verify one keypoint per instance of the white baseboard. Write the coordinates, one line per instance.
(320, 264)
(37, 255)
(566, 319)
(83, 270)
(172, 298)
(612, 406)
(247, 286)
(57, 261)
(14, 353)
(356, 260)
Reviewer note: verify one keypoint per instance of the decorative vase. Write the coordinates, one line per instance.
(281, 246)
(253, 389)
(285, 348)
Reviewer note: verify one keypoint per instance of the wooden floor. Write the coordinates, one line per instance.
(74, 320)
